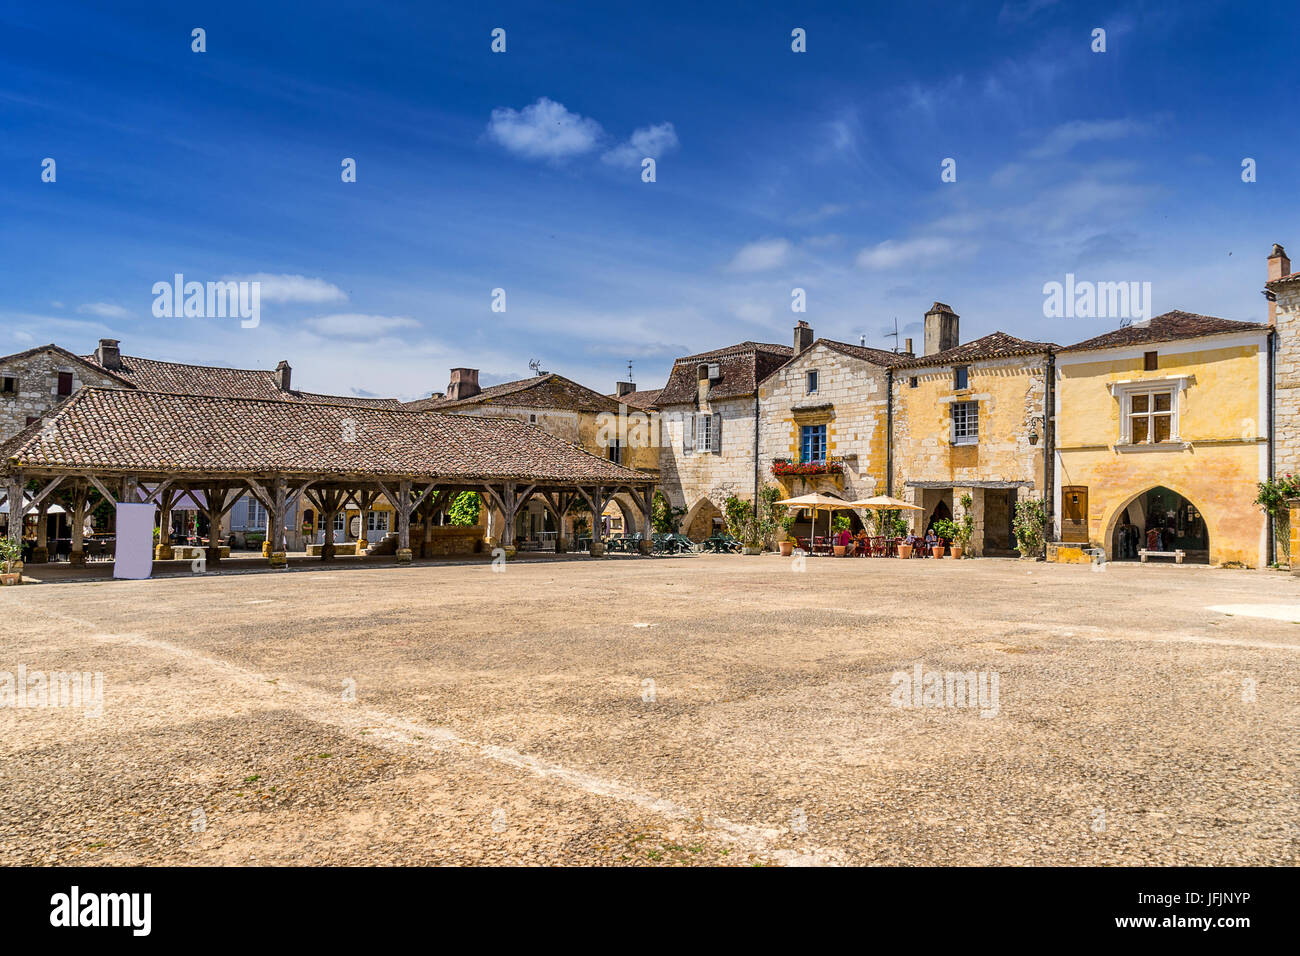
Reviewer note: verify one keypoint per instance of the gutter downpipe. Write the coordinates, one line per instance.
(889, 431)
(1272, 373)
(1049, 440)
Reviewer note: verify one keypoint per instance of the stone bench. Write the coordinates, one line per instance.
(1178, 556)
(340, 548)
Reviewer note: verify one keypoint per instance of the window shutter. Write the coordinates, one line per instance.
(716, 433)
(688, 432)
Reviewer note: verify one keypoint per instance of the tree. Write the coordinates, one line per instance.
(663, 516)
(464, 508)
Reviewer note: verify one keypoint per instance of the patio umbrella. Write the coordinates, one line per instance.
(885, 503)
(816, 501)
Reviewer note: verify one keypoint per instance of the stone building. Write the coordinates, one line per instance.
(1162, 434)
(709, 430)
(599, 424)
(826, 411)
(970, 419)
(1283, 291)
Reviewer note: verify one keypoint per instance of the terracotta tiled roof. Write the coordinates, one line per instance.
(993, 345)
(742, 366)
(1280, 279)
(19, 356)
(132, 431)
(875, 356)
(643, 398)
(154, 376)
(540, 391)
(1165, 328)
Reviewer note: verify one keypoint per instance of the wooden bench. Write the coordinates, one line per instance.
(1178, 556)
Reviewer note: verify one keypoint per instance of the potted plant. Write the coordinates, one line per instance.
(946, 531)
(838, 524)
(787, 526)
(11, 554)
(963, 530)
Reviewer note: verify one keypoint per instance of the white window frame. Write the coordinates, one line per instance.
(811, 381)
(703, 433)
(1124, 393)
(373, 524)
(966, 438)
(341, 521)
(257, 514)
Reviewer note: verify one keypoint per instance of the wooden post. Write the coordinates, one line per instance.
(80, 493)
(17, 508)
(164, 552)
(404, 523)
(646, 544)
(41, 553)
(275, 519)
(509, 509)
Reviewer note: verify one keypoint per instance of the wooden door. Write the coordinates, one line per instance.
(1074, 513)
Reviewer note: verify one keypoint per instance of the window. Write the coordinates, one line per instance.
(1150, 361)
(1150, 416)
(961, 377)
(340, 522)
(532, 419)
(703, 432)
(65, 383)
(256, 514)
(8, 385)
(377, 521)
(965, 423)
(811, 382)
(616, 452)
(32, 418)
(812, 443)
(911, 382)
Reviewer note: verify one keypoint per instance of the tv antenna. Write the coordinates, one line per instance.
(629, 371)
(892, 334)
(536, 366)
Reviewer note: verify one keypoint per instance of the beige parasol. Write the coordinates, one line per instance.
(817, 501)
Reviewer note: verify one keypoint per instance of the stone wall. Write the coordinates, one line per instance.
(688, 478)
(1286, 394)
(850, 400)
(37, 389)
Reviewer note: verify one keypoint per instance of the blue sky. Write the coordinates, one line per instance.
(775, 170)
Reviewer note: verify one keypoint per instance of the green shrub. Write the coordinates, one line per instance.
(1030, 520)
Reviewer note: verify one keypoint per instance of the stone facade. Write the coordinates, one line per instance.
(851, 400)
(33, 378)
(701, 479)
(1003, 465)
(1286, 394)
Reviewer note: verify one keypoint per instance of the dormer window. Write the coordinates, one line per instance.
(65, 383)
(961, 377)
(810, 382)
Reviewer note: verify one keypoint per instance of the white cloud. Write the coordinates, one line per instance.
(545, 130)
(292, 288)
(894, 253)
(1065, 137)
(764, 254)
(105, 310)
(355, 325)
(652, 141)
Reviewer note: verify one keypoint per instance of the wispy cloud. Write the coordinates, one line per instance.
(544, 130)
(292, 288)
(648, 141)
(355, 325)
(1067, 136)
(105, 310)
(761, 255)
(897, 253)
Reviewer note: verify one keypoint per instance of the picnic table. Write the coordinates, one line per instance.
(672, 543)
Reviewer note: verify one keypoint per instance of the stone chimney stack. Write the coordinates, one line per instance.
(1279, 265)
(803, 336)
(283, 375)
(624, 388)
(108, 354)
(907, 346)
(463, 384)
(940, 329)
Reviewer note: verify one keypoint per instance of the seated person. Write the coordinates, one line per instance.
(844, 538)
(931, 539)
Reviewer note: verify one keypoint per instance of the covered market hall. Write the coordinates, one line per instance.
(144, 452)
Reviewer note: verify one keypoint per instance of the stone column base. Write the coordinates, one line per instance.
(266, 549)
(598, 549)
(645, 547)
(40, 556)
(404, 556)
(164, 552)
(77, 558)
(278, 559)
(362, 544)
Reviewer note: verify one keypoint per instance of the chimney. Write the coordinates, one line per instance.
(940, 329)
(108, 354)
(907, 346)
(283, 373)
(463, 384)
(1279, 265)
(624, 388)
(803, 336)
(437, 394)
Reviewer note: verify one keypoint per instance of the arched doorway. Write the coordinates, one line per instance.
(941, 512)
(1160, 519)
(702, 520)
